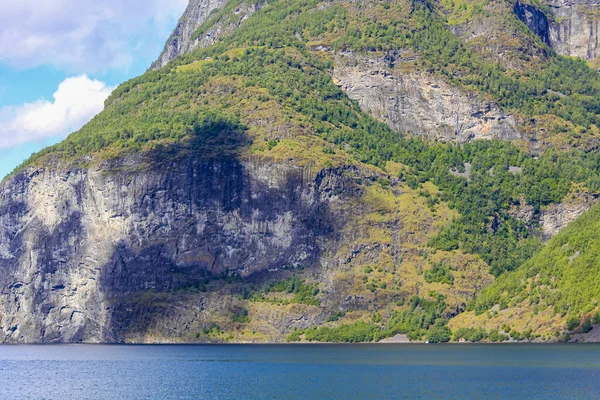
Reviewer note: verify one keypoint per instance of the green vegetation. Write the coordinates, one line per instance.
(421, 320)
(520, 336)
(439, 273)
(562, 86)
(336, 316)
(421, 315)
(572, 323)
(304, 293)
(241, 316)
(177, 106)
(211, 331)
(439, 334)
(562, 277)
(470, 334)
(478, 334)
(357, 332)
(586, 327)
(495, 336)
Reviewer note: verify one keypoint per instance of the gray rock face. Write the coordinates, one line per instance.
(536, 20)
(181, 40)
(571, 28)
(552, 219)
(556, 217)
(420, 103)
(75, 244)
(575, 32)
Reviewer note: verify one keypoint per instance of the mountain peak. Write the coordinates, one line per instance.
(181, 40)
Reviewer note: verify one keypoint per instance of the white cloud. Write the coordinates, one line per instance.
(83, 35)
(77, 100)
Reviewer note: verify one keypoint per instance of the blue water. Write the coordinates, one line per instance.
(301, 372)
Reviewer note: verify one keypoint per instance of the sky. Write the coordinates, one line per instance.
(60, 59)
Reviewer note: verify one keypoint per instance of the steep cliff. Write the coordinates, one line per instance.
(570, 27)
(113, 252)
(418, 102)
(92, 236)
(187, 36)
(535, 19)
(554, 218)
(181, 40)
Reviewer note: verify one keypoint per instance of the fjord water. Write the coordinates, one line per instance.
(300, 372)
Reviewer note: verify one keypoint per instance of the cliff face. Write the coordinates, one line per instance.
(417, 102)
(76, 242)
(571, 27)
(536, 20)
(575, 30)
(555, 217)
(408, 102)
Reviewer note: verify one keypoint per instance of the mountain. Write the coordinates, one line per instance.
(318, 170)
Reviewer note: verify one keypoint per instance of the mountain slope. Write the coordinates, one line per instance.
(259, 184)
(557, 285)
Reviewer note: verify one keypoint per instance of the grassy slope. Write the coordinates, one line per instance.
(558, 283)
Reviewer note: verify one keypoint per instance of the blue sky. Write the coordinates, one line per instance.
(60, 59)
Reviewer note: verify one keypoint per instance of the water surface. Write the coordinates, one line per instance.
(379, 371)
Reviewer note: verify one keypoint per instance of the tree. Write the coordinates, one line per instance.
(439, 334)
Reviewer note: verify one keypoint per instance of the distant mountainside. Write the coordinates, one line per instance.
(323, 171)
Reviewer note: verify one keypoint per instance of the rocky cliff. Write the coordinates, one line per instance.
(92, 237)
(570, 27)
(558, 216)
(186, 36)
(417, 102)
(554, 218)
(181, 40)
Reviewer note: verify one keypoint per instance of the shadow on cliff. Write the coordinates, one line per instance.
(209, 220)
(213, 136)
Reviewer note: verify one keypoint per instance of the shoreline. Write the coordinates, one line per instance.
(297, 343)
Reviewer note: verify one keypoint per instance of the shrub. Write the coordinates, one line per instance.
(241, 316)
(586, 326)
(470, 334)
(572, 323)
(304, 293)
(439, 334)
(336, 316)
(357, 332)
(439, 273)
(495, 336)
